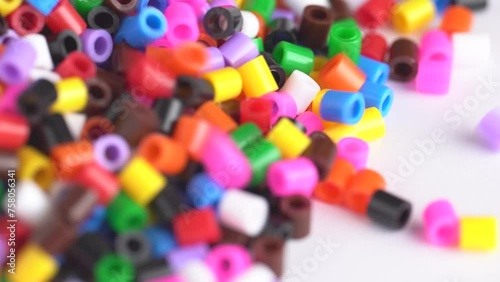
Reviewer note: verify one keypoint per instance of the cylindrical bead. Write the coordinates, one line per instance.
(441, 224)
(292, 177)
(389, 210)
(257, 78)
(228, 261)
(341, 74)
(403, 60)
(360, 189)
(302, 88)
(289, 139)
(322, 152)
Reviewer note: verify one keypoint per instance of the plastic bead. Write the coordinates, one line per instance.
(243, 212)
(298, 209)
(283, 106)
(375, 13)
(97, 44)
(180, 257)
(43, 57)
(111, 152)
(44, 7)
(72, 96)
(412, 15)
(26, 20)
(355, 151)
(441, 224)
(197, 271)
(341, 74)
(65, 43)
(322, 152)
(341, 10)
(280, 29)
(135, 123)
(64, 16)
(263, 8)
(441, 5)
(345, 37)
(377, 96)
(269, 250)
(87, 250)
(361, 188)
(168, 204)
(215, 60)
(257, 78)
(107, 267)
(472, 4)
(246, 134)
(261, 155)
(231, 16)
(161, 5)
(488, 129)
(292, 177)
(195, 227)
(471, 49)
(169, 110)
(51, 132)
(302, 88)
(34, 263)
(163, 153)
(203, 191)
(374, 46)
(388, 210)
(77, 64)
(257, 272)
(212, 113)
(133, 246)
(95, 220)
(123, 214)
(403, 60)
(343, 107)
(228, 261)
(289, 139)
(319, 63)
(68, 158)
(8, 7)
(311, 121)
(32, 204)
(84, 7)
(144, 28)
(15, 69)
(250, 24)
(478, 233)
(153, 269)
(331, 190)
(293, 57)
(298, 6)
(315, 26)
(457, 19)
(186, 59)
(100, 96)
(227, 83)
(258, 111)
(192, 132)
(182, 23)
(122, 7)
(162, 241)
(56, 227)
(36, 166)
(15, 131)
(238, 50)
(277, 71)
(376, 72)
(103, 18)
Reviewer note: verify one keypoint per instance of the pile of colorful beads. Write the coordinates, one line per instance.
(183, 140)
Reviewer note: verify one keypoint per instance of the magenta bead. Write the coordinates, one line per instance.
(167, 279)
(283, 106)
(215, 60)
(292, 177)
(3, 250)
(353, 150)
(16, 62)
(111, 151)
(182, 24)
(489, 129)
(8, 102)
(441, 224)
(228, 261)
(311, 121)
(97, 44)
(200, 7)
(225, 162)
(238, 50)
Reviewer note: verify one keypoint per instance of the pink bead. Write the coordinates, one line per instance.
(435, 63)
(182, 24)
(283, 106)
(441, 224)
(228, 261)
(200, 7)
(292, 177)
(167, 279)
(225, 162)
(311, 121)
(353, 150)
(8, 101)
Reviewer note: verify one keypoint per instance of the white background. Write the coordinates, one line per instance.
(461, 170)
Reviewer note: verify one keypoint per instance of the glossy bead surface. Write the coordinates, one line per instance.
(441, 224)
(412, 15)
(64, 16)
(15, 69)
(374, 46)
(195, 227)
(263, 8)
(232, 16)
(298, 210)
(72, 96)
(457, 18)
(68, 158)
(257, 111)
(42, 266)
(375, 13)
(182, 24)
(77, 64)
(331, 190)
(214, 115)
(376, 72)
(341, 74)
(292, 177)
(377, 96)
(63, 44)
(311, 122)
(144, 28)
(361, 188)
(123, 7)
(18, 20)
(99, 180)
(102, 17)
(15, 130)
(345, 37)
(45, 7)
(283, 106)
(203, 191)
(315, 26)
(353, 150)
(343, 107)
(293, 57)
(123, 214)
(227, 83)
(257, 78)
(228, 261)
(246, 135)
(35, 165)
(83, 7)
(111, 151)
(389, 210)
(261, 155)
(97, 44)
(478, 233)
(110, 264)
(164, 153)
(302, 88)
(403, 60)
(269, 250)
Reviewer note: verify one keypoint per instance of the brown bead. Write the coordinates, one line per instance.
(56, 235)
(322, 152)
(99, 98)
(122, 6)
(315, 26)
(298, 210)
(232, 108)
(229, 236)
(341, 10)
(96, 127)
(269, 250)
(8, 160)
(75, 203)
(134, 123)
(114, 81)
(403, 60)
(124, 57)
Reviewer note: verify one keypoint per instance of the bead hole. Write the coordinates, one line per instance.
(43, 177)
(12, 71)
(298, 204)
(403, 69)
(104, 20)
(405, 215)
(100, 46)
(225, 265)
(96, 92)
(70, 44)
(386, 103)
(111, 153)
(134, 245)
(345, 33)
(357, 109)
(272, 246)
(218, 23)
(319, 14)
(153, 22)
(124, 2)
(28, 21)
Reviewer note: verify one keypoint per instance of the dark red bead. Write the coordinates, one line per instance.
(26, 20)
(77, 64)
(374, 47)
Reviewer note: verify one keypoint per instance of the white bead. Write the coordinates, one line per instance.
(75, 122)
(298, 6)
(243, 212)
(250, 24)
(43, 57)
(32, 205)
(197, 271)
(471, 49)
(257, 273)
(302, 88)
(51, 76)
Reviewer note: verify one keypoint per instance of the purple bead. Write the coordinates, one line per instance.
(8, 102)
(97, 44)
(215, 60)
(11, 34)
(17, 61)
(218, 3)
(180, 257)
(489, 129)
(279, 13)
(111, 151)
(238, 50)
(3, 251)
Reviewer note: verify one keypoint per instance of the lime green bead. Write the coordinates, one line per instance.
(246, 134)
(265, 8)
(113, 268)
(346, 37)
(260, 43)
(261, 155)
(83, 7)
(123, 214)
(293, 57)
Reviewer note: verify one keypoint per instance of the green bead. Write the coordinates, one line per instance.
(346, 37)
(265, 8)
(261, 155)
(293, 57)
(246, 134)
(83, 7)
(260, 43)
(123, 214)
(113, 268)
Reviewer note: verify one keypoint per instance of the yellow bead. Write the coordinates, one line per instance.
(239, 3)
(319, 63)
(72, 96)
(33, 264)
(257, 78)
(227, 83)
(317, 101)
(36, 166)
(289, 139)
(141, 181)
(478, 233)
(412, 15)
(371, 127)
(8, 6)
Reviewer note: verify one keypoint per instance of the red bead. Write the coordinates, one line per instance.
(77, 64)
(14, 131)
(102, 182)
(374, 46)
(375, 13)
(196, 226)
(147, 78)
(258, 111)
(64, 16)
(26, 20)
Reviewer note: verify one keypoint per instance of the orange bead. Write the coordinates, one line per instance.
(212, 113)
(341, 74)
(360, 189)
(192, 132)
(331, 190)
(457, 19)
(207, 40)
(164, 153)
(96, 127)
(68, 158)
(187, 59)
(262, 26)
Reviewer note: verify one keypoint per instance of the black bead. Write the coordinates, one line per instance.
(86, 251)
(472, 4)
(168, 110)
(135, 246)
(388, 210)
(64, 43)
(280, 29)
(154, 269)
(99, 98)
(35, 101)
(278, 72)
(193, 91)
(4, 26)
(102, 17)
(322, 152)
(168, 204)
(222, 22)
(51, 132)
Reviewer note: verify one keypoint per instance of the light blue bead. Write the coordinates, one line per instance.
(203, 191)
(162, 241)
(343, 107)
(378, 96)
(441, 5)
(375, 71)
(161, 5)
(141, 30)
(95, 221)
(43, 6)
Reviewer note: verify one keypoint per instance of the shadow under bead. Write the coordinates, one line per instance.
(315, 26)
(280, 29)
(102, 17)
(223, 21)
(49, 133)
(403, 60)
(86, 251)
(193, 91)
(277, 71)
(63, 44)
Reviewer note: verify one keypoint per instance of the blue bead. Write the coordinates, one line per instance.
(95, 221)
(343, 107)
(43, 6)
(441, 5)
(158, 4)
(203, 191)
(375, 71)
(162, 241)
(378, 96)
(142, 29)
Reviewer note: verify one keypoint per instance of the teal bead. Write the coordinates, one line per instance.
(293, 57)
(345, 37)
